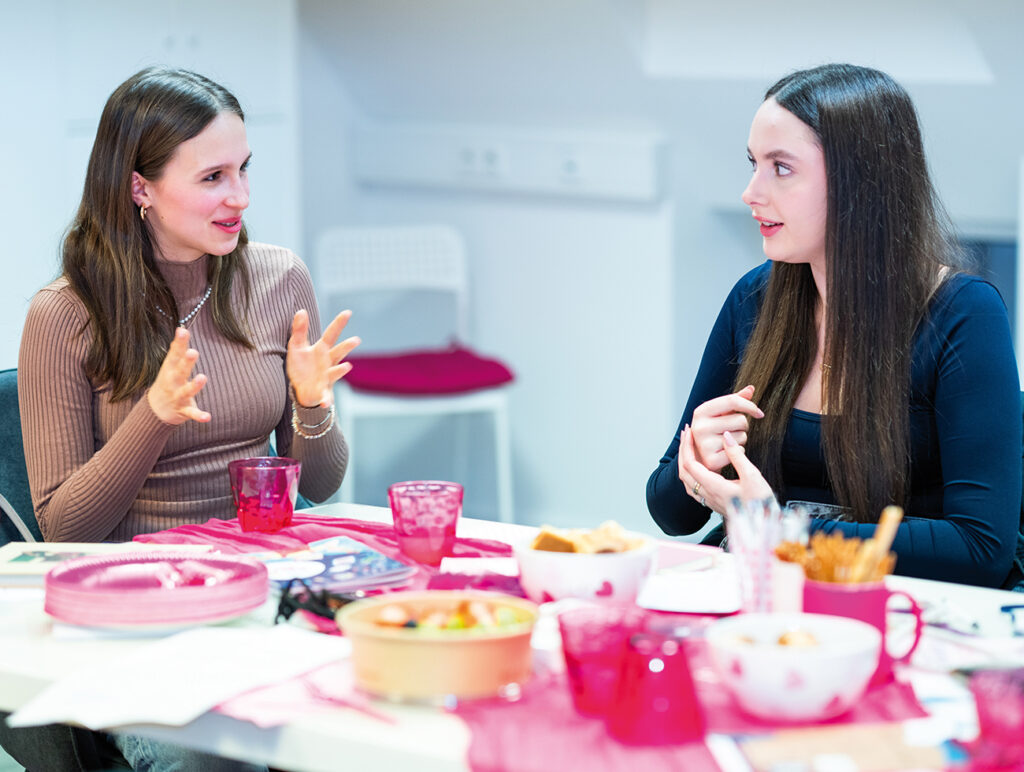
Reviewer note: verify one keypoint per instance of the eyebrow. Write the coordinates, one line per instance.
(776, 155)
(218, 167)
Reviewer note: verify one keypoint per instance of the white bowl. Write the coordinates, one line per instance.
(794, 683)
(602, 576)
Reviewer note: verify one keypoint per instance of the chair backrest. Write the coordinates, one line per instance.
(418, 257)
(13, 475)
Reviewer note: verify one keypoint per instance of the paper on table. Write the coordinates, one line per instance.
(709, 591)
(175, 680)
(503, 566)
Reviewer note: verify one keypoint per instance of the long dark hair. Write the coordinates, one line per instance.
(886, 244)
(108, 255)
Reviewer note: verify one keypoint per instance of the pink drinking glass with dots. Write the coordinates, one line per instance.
(425, 514)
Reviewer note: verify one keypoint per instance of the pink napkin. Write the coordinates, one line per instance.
(228, 536)
(323, 690)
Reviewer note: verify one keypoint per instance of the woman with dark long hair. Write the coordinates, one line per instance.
(169, 346)
(861, 365)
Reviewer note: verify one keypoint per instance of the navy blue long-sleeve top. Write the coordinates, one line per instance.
(964, 508)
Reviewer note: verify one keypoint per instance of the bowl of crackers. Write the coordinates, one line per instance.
(793, 667)
(606, 563)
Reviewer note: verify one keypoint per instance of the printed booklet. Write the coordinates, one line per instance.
(337, 564)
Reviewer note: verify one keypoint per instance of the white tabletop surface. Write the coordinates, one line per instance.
(32, 656)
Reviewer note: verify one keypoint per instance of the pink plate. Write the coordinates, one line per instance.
(148, 589)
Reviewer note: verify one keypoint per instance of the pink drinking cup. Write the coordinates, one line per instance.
(264, 490)
(656, 701)
(426, 514)
(594, 643)
(868, 602)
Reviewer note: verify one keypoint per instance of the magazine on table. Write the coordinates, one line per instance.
(337, 564)
(25, 564)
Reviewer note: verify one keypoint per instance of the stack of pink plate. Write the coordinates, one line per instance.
(154, 589)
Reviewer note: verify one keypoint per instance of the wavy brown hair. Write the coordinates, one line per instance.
(886, 243)
(108, 254)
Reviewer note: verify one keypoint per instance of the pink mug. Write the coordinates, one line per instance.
(868, 602)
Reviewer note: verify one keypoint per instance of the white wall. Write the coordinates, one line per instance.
(557, 281)
(32, 207)
(61, 59)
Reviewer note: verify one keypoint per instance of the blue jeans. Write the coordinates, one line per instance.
(147, 755)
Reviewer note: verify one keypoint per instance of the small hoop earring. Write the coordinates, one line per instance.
(142, 212)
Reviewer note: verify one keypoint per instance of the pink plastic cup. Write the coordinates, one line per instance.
(999, 699)
(868, 602)
(425, 513)
(656, 701)
(264, 490)
(594, 642)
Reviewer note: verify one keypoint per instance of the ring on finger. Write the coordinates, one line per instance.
(696, 489)
(703, 501)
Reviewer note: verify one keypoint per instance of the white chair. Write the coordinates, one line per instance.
(435, 381)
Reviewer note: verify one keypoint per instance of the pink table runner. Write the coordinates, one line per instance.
(543, 731)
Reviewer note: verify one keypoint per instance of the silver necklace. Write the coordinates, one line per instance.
(188, 318)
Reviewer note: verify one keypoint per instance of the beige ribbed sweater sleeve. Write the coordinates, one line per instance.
(80, 492)
(323, 459)
(100, 471)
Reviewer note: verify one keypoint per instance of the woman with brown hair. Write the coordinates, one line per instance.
(159, 279)
(122, 435)
(860, 366)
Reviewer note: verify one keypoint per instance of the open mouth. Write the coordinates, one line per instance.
(231, 226)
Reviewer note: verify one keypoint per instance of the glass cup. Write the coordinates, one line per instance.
(656, 701)
(425, 514)
(754, 529)
(264, 490)
(868, 602)
(999, 700)
(594, 641)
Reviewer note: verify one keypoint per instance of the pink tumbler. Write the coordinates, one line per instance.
(265, 490)
(656, 701)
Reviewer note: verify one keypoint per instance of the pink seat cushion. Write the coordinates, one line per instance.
(426, 372)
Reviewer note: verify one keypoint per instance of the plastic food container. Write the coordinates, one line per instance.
(419, 664)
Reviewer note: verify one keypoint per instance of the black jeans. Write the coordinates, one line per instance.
(59, 747)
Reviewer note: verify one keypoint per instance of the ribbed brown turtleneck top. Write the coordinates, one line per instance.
(100, 471)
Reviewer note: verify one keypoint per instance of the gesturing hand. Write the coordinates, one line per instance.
(711, 488)
(172, 396)
(712, 419)
(314, 369)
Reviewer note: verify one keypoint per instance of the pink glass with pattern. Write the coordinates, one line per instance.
(265, 490)
(425, 514)
(594, 642)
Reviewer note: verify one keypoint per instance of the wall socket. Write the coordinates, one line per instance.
(625, 166)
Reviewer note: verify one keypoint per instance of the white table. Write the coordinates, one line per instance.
(426, 739)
